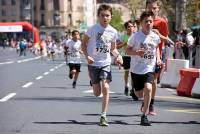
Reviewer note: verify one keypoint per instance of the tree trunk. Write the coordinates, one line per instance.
(181, 14)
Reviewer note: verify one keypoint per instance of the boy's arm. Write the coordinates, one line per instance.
(84, 45)
(116, 54)
(84, 49)
(130, 51)
(158, 58)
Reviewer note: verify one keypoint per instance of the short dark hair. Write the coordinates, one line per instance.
(146, 14)
(152, 1)
(75, 31)
(104, 7)
(129, 22)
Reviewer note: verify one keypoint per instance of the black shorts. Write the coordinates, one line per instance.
(126, 62)
(73, 66)
(138, 80)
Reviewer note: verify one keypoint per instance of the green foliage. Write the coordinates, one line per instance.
(116, 21)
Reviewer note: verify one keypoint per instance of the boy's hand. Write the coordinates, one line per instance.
(140, 52)
(90, 60)
(119, 60)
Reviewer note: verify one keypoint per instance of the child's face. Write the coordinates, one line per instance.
(147, 24)
(104, 17)
(76, 36)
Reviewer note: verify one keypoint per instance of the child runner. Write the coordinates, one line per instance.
(98, 42)
(73, 47)
(144, 51)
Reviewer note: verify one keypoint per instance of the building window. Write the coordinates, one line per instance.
(42, 20)
(13, 13)
(13, 2)
(69, 5)
(56, 4)
(70, 20)
(3, 12)
(3, 2)
(56, 19)
(42, 7)
(26, 2)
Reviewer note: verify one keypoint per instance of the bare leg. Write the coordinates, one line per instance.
(105, 91)
(147, 97)
(126, 74)
(96, 89)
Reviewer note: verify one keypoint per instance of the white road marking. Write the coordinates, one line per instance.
(39, 77)
(171, 90)
(46, 73)
(91, 91)
(9, 62)
(51, 69)
(7, 97)
(27, 84)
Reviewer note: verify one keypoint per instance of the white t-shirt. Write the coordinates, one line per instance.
(74, 51)
(99, 44)
(143, 65)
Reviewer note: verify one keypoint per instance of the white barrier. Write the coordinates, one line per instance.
(197, 57)
(171, 77)
(196, 88)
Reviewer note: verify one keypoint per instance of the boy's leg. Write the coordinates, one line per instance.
(105, 101)
(105, 92)
(147, 97)
(76, 71)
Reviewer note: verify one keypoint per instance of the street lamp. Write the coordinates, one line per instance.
(57, 19)
(32, 17)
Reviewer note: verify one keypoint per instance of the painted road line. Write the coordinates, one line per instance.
(39, 77)
(190, 111)
(9, 62)
(51, 70)
(171, 90)
(7, 97)
(27, 84)
(91, 91)
(46, 73)
(178, 98)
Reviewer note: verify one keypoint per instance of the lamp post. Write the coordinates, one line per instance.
(32, 17)
(57, 18)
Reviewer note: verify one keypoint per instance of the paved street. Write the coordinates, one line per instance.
(36, 97)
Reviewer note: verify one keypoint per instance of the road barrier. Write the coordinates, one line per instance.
(171, 77)
(189, 82)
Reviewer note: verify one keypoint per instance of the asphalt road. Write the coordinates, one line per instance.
(36, 97)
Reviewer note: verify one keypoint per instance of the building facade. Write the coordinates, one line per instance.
(51, 17)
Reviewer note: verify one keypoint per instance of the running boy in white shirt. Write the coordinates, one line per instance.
(98, 42)
(73, 47)
(144, 51)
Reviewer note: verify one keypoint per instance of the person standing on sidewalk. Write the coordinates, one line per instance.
(144, 51)
(160, 24)
(74, 52)
(131, 28)
(98, 42)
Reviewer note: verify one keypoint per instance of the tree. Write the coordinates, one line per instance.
(116, 21)
(134, 6)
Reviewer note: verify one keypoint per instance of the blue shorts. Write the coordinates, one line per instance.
(99, 73)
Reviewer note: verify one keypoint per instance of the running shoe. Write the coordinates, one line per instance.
(151, 110)
(144, 121)
(126, 91)
(74, 84)
(70, 76)
(103, 121)
(132, 94)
